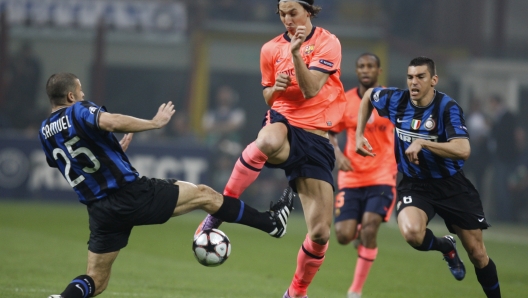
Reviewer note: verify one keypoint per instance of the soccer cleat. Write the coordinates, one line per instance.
(286, 295)
(280, 212)
(455, 264)
(353, 295)
(209, 222)
(55, 296)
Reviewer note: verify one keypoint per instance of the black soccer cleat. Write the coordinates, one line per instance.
(455, 264)
(280, 212)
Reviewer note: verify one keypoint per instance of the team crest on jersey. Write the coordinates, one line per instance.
(376, 96)
(415, 124)
(309, 49)
(92, 109)
(430, 124)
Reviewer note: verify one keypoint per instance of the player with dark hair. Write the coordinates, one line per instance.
(366, 185)
(77, 139)
(300, 76)
(432, 144)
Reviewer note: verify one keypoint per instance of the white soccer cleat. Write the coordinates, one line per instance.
(55, 296)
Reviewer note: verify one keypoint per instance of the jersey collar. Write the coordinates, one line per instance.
(288, 39)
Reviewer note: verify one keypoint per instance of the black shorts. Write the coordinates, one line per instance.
(454, 198)
(352, 203)
(142, 202)
(311, 155)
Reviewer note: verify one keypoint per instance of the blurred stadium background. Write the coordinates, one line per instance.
(204, 55)
(133, 55)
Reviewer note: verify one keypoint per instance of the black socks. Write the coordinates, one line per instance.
(489, 280)
(82, 286)
(236, 211)
(430, 242)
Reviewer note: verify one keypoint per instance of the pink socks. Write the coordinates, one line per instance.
(246, 170)
(309, 259)
(366, 257)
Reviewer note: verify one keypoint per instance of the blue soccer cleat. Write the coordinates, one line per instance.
(455, 264)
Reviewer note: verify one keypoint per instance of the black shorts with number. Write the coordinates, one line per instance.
(455, 199)
(146, 201)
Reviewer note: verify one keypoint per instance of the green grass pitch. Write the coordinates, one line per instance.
(43, 246)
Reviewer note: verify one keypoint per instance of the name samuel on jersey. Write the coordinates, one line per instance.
(56, 126)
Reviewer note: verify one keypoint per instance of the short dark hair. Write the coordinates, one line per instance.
(311, 8)
(378, 61)
(59, 85)
(419, 61)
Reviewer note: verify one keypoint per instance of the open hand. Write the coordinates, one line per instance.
(164, 114)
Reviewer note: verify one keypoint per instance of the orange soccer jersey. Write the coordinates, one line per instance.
(320, 51)
(379, 131)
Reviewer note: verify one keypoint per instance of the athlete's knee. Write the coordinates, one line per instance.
(344, 236)
(368, 232)
(320, 234)
(271, 141)
(413, 234)
(207, 195)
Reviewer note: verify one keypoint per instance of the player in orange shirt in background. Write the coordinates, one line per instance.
(366, 185)
(300, 75)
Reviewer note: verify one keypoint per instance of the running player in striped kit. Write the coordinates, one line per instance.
(432, 144)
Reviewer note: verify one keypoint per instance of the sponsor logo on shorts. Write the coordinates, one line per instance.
(481, 219)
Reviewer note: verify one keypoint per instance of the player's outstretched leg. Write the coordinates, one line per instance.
(246, 170)
(273, 221)
(455, 264)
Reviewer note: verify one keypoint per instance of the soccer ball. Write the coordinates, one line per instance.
(211, 247)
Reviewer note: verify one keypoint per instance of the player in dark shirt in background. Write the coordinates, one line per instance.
(432, 144)
(77, 139)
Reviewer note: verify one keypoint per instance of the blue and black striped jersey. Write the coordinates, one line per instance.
(440, 121)
(91, 160)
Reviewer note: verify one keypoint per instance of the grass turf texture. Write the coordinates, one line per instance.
(43, 246)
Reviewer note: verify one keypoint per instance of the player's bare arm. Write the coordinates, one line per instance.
(365, 110)
(310, 81)
(454, 149)
(124, 123)
(342, 162)
(282, 82)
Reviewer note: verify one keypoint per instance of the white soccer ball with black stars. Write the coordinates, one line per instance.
(211, 247)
